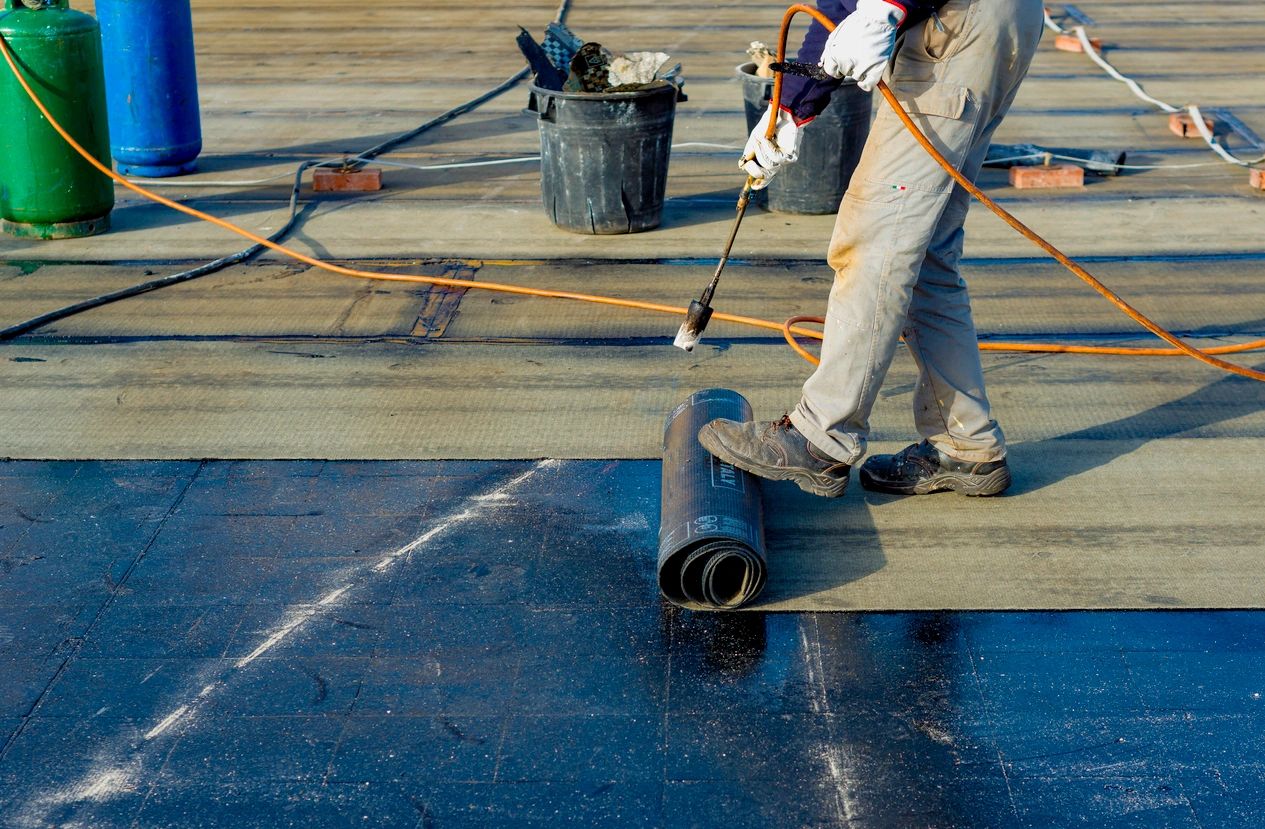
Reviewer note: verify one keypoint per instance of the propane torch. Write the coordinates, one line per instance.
(700, 310)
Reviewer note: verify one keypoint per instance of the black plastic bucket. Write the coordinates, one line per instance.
(604, 157)
(829, 147)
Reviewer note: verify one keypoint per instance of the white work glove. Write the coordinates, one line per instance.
(862, 44)
(762, 158)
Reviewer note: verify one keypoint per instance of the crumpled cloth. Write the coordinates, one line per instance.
(637, 68)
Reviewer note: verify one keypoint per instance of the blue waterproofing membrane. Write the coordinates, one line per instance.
(495, 652)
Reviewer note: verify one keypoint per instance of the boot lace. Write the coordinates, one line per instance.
(781, 425)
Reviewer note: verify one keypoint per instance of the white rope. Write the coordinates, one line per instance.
(1111, 70)
(1080, 160)
(193, 182)
(1051, 25)
(1193, 111)
(190, 182)
(989, 162)
(1157, 166)
(1216, 145)
(456, 166)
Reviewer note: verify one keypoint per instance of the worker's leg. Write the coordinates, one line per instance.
(956, 78)
(950, 406)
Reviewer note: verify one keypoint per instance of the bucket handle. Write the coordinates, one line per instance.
(547, 112)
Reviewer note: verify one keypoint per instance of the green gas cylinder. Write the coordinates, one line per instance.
(47, 191)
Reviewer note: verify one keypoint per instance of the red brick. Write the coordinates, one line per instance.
(1258, 179)
(330, 179)
(1180, 123)
(1053, 175)
(1072, 43)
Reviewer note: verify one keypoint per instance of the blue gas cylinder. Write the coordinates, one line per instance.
(151, 85)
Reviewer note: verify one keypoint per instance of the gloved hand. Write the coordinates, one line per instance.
(862, 44)
(762, 158)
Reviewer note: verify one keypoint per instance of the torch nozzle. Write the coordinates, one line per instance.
(691, 331)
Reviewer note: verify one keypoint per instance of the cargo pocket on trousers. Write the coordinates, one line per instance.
(946, 114)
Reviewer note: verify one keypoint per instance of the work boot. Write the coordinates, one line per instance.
(922, 469)
(776, 450)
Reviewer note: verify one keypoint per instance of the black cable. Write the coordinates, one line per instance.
(29, 325)
(462, 109)
(174, 279)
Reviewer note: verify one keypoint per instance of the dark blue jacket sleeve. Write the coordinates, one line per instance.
(805, 98)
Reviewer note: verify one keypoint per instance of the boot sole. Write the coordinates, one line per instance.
(994, 483)
(822, 485)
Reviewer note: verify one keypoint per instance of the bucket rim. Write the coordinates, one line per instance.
(747, 71)
(607, 96)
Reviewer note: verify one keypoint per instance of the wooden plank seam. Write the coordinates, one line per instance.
(440, 304)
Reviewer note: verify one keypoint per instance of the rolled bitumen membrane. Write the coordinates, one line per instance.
(711, 527)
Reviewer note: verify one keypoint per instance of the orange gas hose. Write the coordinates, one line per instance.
(1181, 348)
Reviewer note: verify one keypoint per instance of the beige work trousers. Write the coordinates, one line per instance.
(898, 238)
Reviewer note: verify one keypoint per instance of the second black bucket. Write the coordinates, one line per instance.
(829, 147)
(604, 157)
